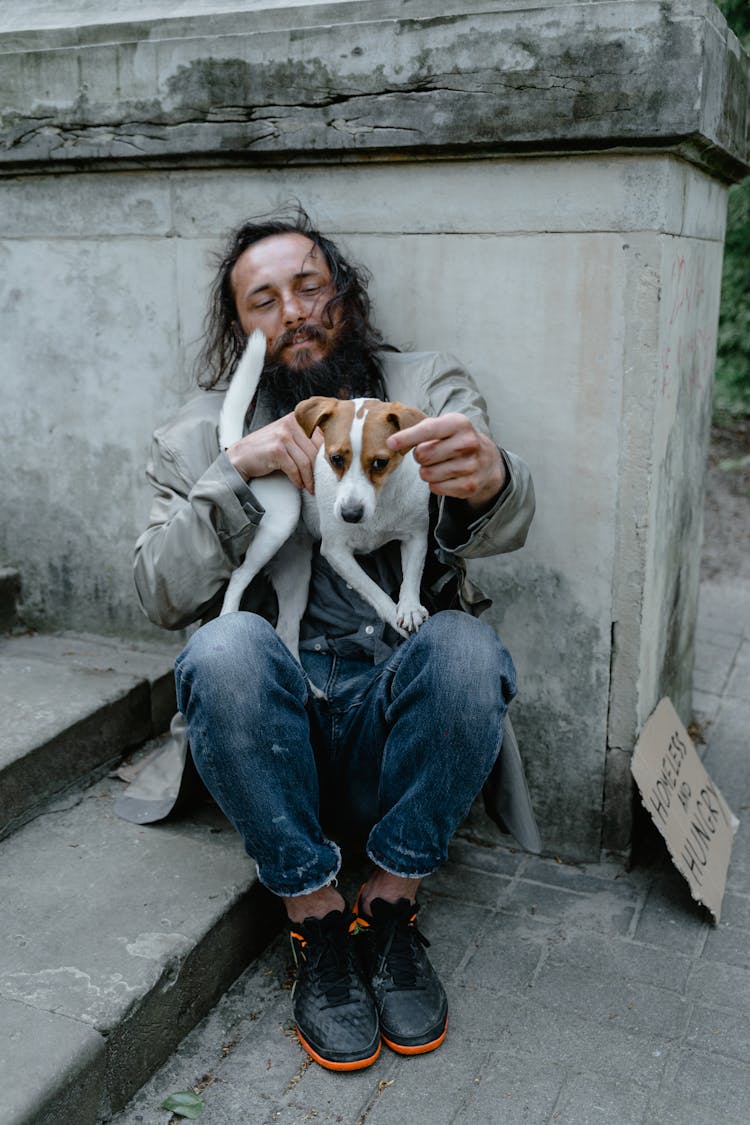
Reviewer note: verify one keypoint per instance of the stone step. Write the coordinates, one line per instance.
(116, 939)
(71, 705)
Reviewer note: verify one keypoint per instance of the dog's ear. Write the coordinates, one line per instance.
(312, 412)
(401, 417)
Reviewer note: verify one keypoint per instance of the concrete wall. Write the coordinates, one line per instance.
(582, 291)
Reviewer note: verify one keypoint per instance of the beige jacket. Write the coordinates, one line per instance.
(203, 518)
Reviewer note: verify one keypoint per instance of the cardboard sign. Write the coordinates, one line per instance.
(685, 805)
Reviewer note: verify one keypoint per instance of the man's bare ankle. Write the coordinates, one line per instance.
(391, 888)
(316, 904)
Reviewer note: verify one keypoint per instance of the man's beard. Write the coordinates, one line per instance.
(349, 371)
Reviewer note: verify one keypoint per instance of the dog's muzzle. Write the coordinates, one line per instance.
(352, 513)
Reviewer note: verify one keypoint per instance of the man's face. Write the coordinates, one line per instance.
(281, 285)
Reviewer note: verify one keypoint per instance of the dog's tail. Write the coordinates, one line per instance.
(241, 390)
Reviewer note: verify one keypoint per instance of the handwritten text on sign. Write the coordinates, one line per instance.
(685, 805)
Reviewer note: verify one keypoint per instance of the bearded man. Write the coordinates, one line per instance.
(392, 749)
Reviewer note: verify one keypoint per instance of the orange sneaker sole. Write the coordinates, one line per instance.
(358, 1064)
(422, 1049)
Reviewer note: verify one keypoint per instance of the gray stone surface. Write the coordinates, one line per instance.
(53, 1067)
(71, 704)
(275, 81)
(115, 940)
(580, 994)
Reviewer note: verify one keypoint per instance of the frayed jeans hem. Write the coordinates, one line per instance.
(384, 865)
(317, 884)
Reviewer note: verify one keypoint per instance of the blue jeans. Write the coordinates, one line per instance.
(392, 757)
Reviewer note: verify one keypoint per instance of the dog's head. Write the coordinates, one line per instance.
(354, 437)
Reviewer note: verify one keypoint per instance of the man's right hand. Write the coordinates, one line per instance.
(281, 446)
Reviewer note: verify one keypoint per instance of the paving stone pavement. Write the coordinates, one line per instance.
(579, 995)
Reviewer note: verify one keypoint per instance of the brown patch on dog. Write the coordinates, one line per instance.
(334, 418)
(384, 419)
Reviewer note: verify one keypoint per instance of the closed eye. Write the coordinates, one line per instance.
(379, 464)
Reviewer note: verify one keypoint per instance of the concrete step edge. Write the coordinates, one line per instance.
(114, 1029)
(50, 744)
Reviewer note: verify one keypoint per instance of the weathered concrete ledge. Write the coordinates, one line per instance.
(117, 941)
(71, 706)
(339, 81)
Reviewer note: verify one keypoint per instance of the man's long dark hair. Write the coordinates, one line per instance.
(224, 342)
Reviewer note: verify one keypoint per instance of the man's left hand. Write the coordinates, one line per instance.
(456, 460)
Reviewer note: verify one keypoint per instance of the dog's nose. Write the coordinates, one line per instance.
(352, 513)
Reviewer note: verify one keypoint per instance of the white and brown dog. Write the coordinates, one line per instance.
(365, 495)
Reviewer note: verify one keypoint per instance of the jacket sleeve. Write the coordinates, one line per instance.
(505, 525)
(198, 532)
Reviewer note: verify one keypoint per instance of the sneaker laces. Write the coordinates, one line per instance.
(325, 946)
(402, 940)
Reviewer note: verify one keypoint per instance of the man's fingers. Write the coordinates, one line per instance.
(297, 462)
(456, 469)
(281, 446)
(429, 429)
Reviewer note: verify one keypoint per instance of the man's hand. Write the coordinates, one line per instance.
(456, 460)
(281, 446)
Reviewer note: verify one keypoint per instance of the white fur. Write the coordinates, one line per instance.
(282, 543)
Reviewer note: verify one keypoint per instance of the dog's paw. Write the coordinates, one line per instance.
(409, 616)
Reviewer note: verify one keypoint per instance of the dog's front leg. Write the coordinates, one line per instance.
(345, 564)
(410, 614)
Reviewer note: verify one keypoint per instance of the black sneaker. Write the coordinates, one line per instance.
(337, 1023)
(410, 999)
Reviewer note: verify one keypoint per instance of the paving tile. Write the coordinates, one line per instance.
(726, 754)
(497, 860)
(713, 664)
(606, 910)
(607, 998)
(720, 1032)
(467, 884)
(526, 1025)
(735, 910)
(431, 1087)
(720, 985)
(673, 1109)
(710, 634)
(722, 1086)
(586, 878)
(721, 608)
(705, 705)
(739, 681)
(728, 944)
(615, 958)
(506, 956)
(595, 1099)
(513, 1089)
(670, 918)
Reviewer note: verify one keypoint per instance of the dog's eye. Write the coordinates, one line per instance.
(379, 464)
(336, 460)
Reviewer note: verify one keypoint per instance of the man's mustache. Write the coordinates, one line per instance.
(295, 336)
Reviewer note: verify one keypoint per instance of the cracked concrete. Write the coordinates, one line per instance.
(561, 76)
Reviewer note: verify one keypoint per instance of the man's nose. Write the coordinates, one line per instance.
(293, 310)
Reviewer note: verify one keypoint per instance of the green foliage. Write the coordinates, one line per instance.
(733, 359)
(737, 15)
